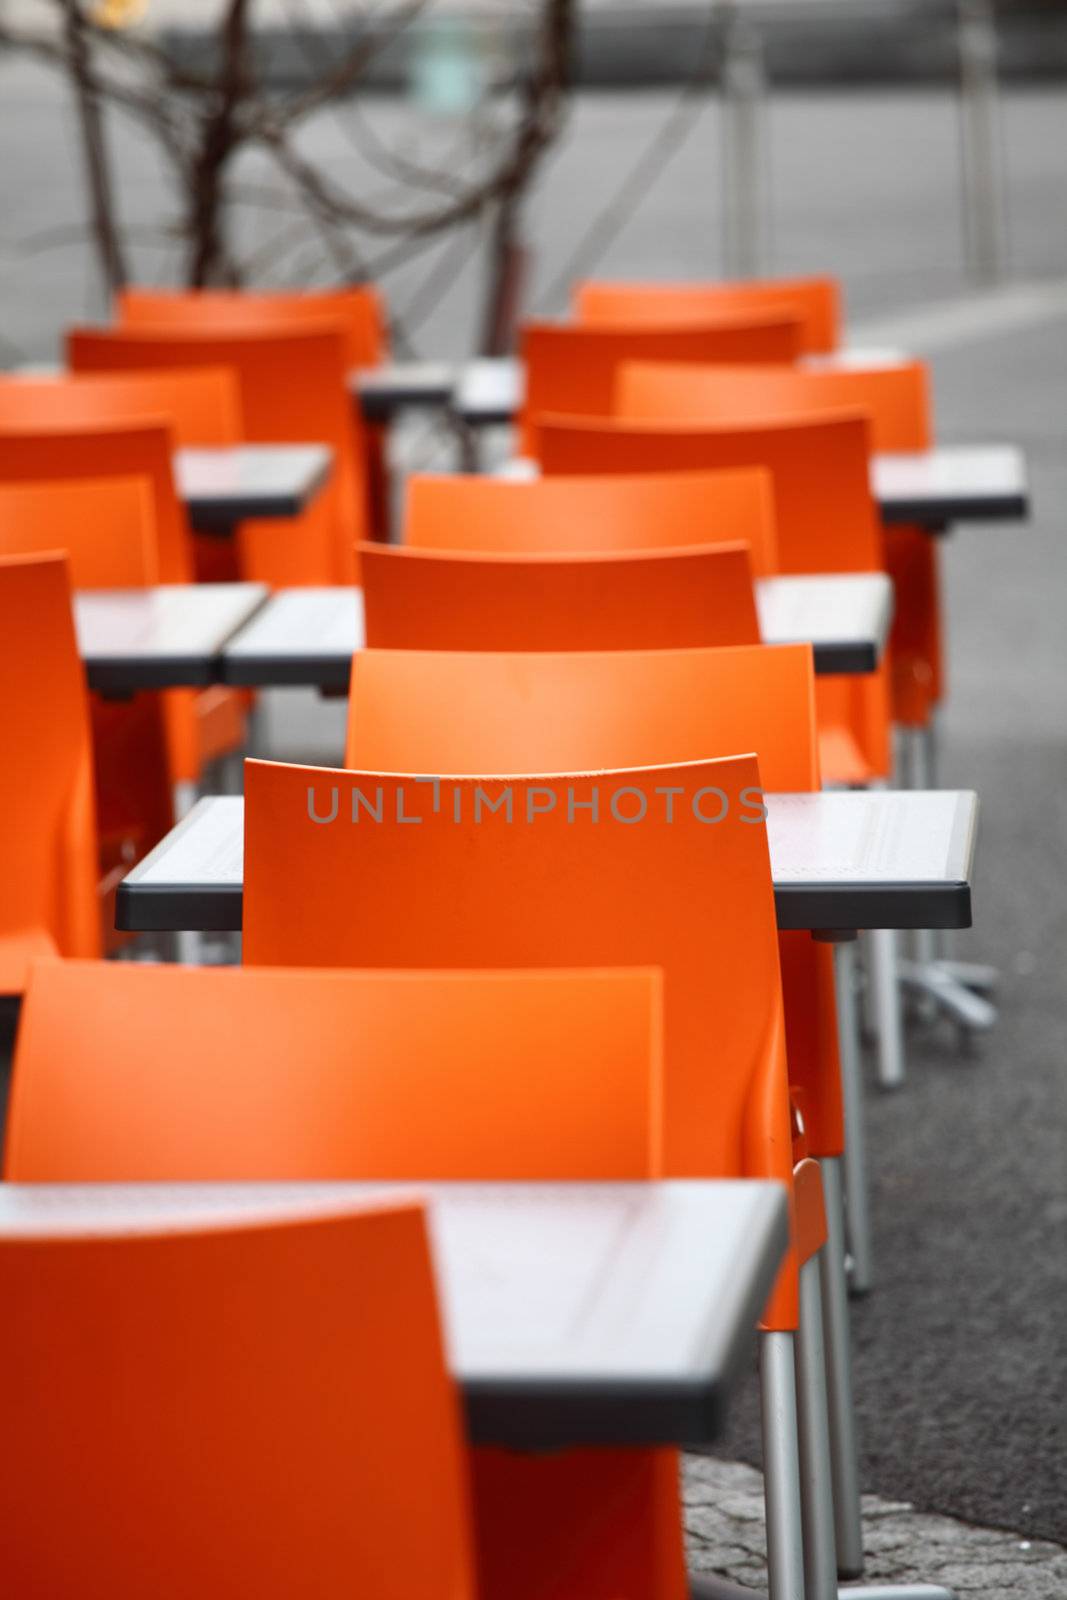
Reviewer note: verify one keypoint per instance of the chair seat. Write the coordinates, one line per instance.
(840, 756)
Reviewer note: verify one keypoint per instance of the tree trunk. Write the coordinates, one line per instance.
(105, 230)
(209, 261)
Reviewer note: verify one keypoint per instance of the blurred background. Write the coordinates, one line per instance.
(474, 159)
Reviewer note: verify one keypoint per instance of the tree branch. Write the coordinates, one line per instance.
(94, 148)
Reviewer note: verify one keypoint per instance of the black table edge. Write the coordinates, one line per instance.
(847, 656)
(218, 515)
(119, 677)
(247, 671)
(967, 508)
(805, 906)
(333, 672)
(215, 908)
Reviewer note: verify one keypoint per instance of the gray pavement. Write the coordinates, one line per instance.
(726, 1535)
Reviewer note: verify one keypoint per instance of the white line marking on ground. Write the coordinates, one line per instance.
(988, 315)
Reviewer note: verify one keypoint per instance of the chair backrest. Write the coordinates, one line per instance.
(230, 1408)
(895, 398)
(421, 711)
(570, 869)
(201, 408)
(293, 383)
(412, 711)
(136, 1073)
(470, 600)
(47, 822)
(817, 301)
(653, 511)
(572, 368)
(106, 526)
(108, 450)
(359, 308)
(826, 516)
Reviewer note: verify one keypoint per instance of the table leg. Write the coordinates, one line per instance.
(885, 985)
(844, 1463)
(857, 1214)
(781, 1466)
(816, 1480)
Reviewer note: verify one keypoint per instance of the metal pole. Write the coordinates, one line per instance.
(981, 144)
(744, 85)
(816, 1476)
(781, 1466)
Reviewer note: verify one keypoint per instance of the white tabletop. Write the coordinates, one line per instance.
(950, 483)
(845, 616)
(849, 357)
(572, 1312)
(159, 637)
(301, 636)
(222, 485)
(307, 636)
(395, 386)
(841, 860)
(490, 389)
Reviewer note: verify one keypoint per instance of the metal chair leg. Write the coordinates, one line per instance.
(187, 951)
(816, 1479)
(844, 1456)
(896, 1591)
(857, 1213)
(781, 1467)
(932, 981)
(886, 992)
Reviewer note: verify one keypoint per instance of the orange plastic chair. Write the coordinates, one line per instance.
(460, 600)
(572, 368)
(689, 896)
(351, 868)
(57, 453)
(896, 401)
(359, 308)
(50, 902)
(106, 528)
(293, 384)
(826, 522)
(447, 712)
(230, 1407)
(199, 408)
(187, 1073)
(825, 513)
(653, 511)
(133, 1074)
(817, 302)
(108, 525)
(514, 872)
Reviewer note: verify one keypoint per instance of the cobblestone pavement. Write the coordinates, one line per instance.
(726, 1535)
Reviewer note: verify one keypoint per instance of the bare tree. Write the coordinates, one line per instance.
(202, 121)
